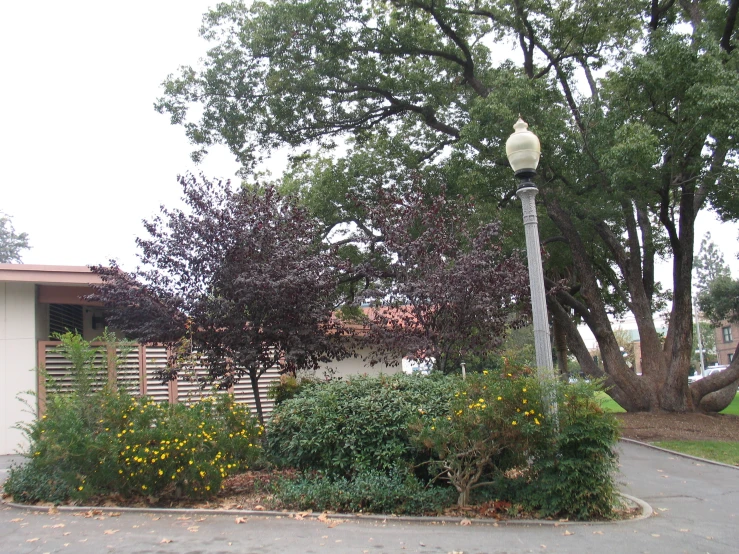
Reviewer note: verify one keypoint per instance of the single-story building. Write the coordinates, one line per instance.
(37, 301)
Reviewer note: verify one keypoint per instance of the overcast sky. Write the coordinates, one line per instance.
(83, 155)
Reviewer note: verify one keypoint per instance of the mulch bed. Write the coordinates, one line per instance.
(654, 427)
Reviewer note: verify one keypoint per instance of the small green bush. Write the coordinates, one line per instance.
(370, 491)
(351, 426)
(572, 474)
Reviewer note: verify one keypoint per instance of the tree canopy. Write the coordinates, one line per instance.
(443, 289)
(11, 243)
(241, 275)
(634, 102)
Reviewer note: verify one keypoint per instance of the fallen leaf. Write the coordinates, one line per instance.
(53, 511)
(332, 524)
(165, 541)
(306, 513)
(465, 522)
(67, 533)
(193, 529)
(111, 531)
(200, 519)
(16, 520)
(57, 526)
(32, 540)
(655, 535)
(323, 517)
(298, 517)
(338, 540)
(183, 518)
(259, 507)
(597, 532)
(114, 514)
(422, 544)
(241, 520)
(685, 530)
(567, 533)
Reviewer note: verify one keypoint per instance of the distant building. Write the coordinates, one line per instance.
(727, 336)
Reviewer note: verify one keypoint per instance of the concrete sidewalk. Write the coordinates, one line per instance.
(696, 505)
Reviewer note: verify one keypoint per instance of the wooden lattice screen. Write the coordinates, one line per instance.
(138, 374)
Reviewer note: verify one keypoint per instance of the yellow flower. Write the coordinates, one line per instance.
(143, 487)
(500, 398)
(80, 488)
(513, 423)
(524, 401)
(536, 421)
(524, 390)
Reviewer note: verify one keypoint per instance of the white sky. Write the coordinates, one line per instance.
(83, 155)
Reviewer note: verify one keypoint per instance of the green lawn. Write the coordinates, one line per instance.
(733, 408)
(609, 404)
(726, 452)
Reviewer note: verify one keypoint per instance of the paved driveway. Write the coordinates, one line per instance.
(696, 505)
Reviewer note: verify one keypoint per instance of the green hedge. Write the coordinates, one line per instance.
(362, 423)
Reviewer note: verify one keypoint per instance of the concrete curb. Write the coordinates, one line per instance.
(681, 454)
(646, 511)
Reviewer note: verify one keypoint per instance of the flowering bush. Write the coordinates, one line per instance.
(492, 424)
(191, 447)
(109, 442)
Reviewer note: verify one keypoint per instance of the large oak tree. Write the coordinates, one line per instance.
(635, 104)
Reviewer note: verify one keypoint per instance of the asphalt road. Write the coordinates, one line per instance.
(696, 509)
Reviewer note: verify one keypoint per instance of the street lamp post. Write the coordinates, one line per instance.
(523, 151)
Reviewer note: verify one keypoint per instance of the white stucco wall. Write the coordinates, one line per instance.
(357, 366)
(17, 359)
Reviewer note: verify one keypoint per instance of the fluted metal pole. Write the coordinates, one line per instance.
(542, 343)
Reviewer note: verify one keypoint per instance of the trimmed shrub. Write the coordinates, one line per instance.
(369, 491)
(573, 474)
(361, 424)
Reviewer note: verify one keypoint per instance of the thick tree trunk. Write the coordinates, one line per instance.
(560, 346)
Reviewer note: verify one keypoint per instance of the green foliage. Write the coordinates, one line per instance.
(96, 442)
(573, 474)
(721, 300)
(191, 447)
(288, 387)
(109, 442)
(344, 427)
(488, 430)
(492, 425)
(11, 243)
(369, 491)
